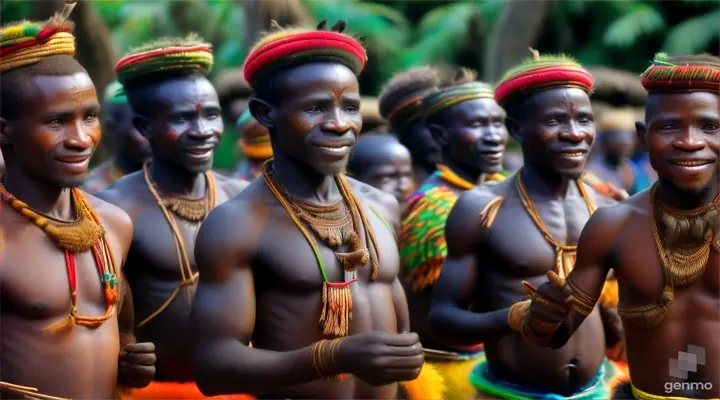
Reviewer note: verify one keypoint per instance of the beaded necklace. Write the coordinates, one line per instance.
(336, 297)
(189, 277)
(86, 233)
(565, 255)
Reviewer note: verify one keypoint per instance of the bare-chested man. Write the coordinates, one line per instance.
(177, 110)
(66, 313)
(302, 262)
(518, 229)
(469, 126)
(662, 243)
(400, 103)
(131, 150)
(381, 161)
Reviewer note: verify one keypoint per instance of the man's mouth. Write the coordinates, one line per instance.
(492, 156)
(73, 159)
(575, 153)
(199, 151)
(690, 162)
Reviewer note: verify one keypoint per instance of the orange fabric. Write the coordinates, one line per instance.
(621, 378)
(177, 391)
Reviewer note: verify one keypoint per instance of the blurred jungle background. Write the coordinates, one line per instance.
(486, 35)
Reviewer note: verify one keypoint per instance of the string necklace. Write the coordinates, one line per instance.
(83, 234)
(451, 177)
(189, 278)
(336, 297)
(565, 255)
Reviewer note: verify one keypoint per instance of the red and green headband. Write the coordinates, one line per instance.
(293, 47)
(701, 74)
(542, 73)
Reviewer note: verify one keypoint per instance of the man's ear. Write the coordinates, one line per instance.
(263, 112)
(641, 129)
(513, 128)
(439, 134)
(5, 132)
(142, 125)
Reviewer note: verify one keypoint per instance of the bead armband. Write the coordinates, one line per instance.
(317, 353)
(517, 314)
(583, 303)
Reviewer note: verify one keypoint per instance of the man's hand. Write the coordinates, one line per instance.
(136, 367)
(550, 306)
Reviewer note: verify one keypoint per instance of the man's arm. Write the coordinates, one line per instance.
(584, 284)
(223, 313)
(455, 289)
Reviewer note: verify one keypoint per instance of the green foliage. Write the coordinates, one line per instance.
(640, 20)
(693, 35)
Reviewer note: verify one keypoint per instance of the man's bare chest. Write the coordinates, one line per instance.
(526, 243)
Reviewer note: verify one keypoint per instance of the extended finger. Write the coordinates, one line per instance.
(529, 288)
(402, 374)
(148, 359)
(555, 279)
(391, 362)
(145, 347)
(133, 371)
(403, 351)
(401, 339)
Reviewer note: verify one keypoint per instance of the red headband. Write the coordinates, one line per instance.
(304, 47)
(544, 78)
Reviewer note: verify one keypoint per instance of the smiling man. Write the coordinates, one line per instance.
(303, 261)
(498, 235)
(662, 243)
(177, 110)
(66, 311)
(469, 127)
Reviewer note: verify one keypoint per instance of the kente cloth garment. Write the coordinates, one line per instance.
(422, 238)
(177, 391)
(491, 387)
(455, 369)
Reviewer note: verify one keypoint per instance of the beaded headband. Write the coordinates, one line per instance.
(542, 73)
(255, 141)
(168, 54)
(298, 46)
(25, 43)
(690, 75)
(449, 96)
(115, 93)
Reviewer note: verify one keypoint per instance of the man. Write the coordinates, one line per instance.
(304, 245)
(233, 92)
(66, 313)
(498, 235)
(254, 143)
(663, 245)
(399, 103)
(177, 110)
(131, 149)
(379, 160)
(617, 143)
(469, 126)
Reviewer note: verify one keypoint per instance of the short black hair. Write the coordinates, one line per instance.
(17, 85)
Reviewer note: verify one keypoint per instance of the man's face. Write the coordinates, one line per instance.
(317, 118)
(186, 124)
(558, 130)
(424, 149)
(118, 127)
(682, 135)
(475, 135)
(390, 171)
(619, 144)
(59, 131)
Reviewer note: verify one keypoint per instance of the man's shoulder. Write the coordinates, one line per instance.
(112, 217)
(229, 185)
(125, 192)
(612, 220)
(473, 201)
(382, 202)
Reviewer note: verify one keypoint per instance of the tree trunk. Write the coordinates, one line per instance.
(518, 29)
(95, 49)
